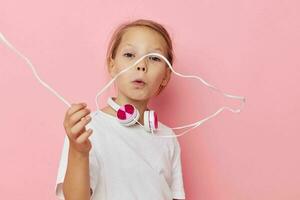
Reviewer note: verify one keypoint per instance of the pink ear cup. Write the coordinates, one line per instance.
(125, 112)
(127, 115)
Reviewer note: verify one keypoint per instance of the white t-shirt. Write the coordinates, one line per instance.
(129, 163)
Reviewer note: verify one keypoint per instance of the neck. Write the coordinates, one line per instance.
(141, 105)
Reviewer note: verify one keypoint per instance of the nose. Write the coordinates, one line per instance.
(142, 66)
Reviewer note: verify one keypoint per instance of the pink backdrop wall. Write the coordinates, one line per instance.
(248, 48)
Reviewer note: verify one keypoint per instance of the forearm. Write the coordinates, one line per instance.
(76, 184)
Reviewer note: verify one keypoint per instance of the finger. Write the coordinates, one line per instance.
(84, 136)
(74, 108)
(79, 127)
(77, 116)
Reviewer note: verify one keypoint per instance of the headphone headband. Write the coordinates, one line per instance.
(113, 104)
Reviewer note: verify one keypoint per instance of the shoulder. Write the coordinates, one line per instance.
(98, 124)
(166, 130)
(97, 119)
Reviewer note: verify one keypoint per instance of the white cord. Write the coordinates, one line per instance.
(193, 125)
(32, 68)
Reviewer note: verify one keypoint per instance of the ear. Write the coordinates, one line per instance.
(111, 67)
(167, 77)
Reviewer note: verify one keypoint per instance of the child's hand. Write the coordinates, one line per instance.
(74, 123)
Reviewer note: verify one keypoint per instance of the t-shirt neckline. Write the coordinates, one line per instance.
(106, 114)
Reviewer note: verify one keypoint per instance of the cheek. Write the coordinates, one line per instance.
(159, 72)
(156, 79)
(122, 80)
(123, 63)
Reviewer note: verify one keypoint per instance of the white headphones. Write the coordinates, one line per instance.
(128, 115)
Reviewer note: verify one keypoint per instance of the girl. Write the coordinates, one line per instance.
(104, 160)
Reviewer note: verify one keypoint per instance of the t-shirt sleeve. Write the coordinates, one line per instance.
(93, 170)
(177, 179)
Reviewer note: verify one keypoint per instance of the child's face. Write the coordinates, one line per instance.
(136, 42)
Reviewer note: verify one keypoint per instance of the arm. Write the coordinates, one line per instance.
(76, 184)
(177, 178)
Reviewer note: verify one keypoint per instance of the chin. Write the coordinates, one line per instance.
(138, 96)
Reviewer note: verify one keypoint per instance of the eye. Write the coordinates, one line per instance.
(155, 58)
(129, 55)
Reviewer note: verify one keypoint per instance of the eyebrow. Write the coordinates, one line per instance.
(158, 48)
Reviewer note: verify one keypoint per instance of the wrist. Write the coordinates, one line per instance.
(76, 153)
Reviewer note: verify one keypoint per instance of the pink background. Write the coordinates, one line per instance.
(248, 48)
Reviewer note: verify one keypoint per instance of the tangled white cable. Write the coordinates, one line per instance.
(193, 125)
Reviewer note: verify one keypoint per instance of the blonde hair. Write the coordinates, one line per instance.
(121, 29)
